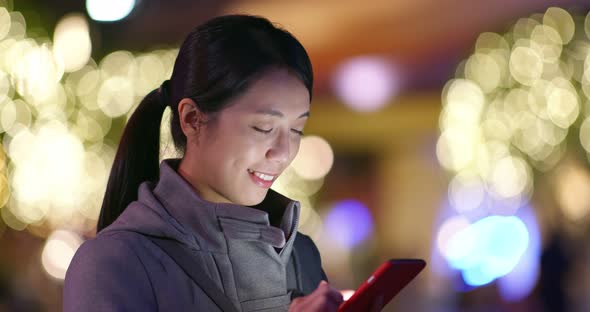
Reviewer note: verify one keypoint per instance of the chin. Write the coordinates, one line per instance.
(253, 199)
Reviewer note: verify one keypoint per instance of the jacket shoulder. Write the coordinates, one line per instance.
(306, 247)
(106, 274)
(309, 262)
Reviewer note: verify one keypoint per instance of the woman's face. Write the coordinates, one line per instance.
(238, 156)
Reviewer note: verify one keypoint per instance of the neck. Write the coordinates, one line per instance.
(187, 172)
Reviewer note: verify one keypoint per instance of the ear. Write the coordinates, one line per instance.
(190, 117)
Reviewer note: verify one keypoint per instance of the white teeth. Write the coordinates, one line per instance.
(262, 176)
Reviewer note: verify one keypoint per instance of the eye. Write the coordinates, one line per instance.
(262, 130)
(299, 132)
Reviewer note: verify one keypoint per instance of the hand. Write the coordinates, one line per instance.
(323, 298)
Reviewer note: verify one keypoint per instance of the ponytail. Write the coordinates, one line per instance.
(137, 158)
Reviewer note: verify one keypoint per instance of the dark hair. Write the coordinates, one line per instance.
(217, 62)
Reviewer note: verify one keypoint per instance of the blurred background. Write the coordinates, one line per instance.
(453, 131)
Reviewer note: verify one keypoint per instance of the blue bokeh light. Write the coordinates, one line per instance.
(349, 223)
(521, 281)
(481, 255)
(489, 248)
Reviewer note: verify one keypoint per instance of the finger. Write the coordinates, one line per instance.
(322, 283)
(322, 288)
(322, 303)
(295, 303)
(319, 292)
(335, 295)
(328, 293)
(325, 289)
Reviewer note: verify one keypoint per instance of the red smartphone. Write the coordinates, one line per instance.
(386, 281)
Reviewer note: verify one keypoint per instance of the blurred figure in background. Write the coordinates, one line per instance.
(555, 267)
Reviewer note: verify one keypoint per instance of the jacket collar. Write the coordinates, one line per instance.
(273, 221)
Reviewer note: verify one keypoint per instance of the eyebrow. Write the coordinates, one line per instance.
(276, 113)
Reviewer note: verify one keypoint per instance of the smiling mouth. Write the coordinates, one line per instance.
(263, 176)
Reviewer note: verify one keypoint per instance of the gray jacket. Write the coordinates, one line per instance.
(253, 254)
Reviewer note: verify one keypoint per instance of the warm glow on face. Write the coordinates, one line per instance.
(238, 156)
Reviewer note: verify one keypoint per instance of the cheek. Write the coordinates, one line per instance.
(295, 148)
(246, 152)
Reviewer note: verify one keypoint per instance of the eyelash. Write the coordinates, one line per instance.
(300, 133)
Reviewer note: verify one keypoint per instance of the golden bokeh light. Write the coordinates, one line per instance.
(88, 128)
(116, 96)
(56, 107)
(167, 148)
(466, 192)
(18, 26)
(294, 186)
(71, 41)
(119, 63)
(14, 115)
(4, 189)
(523, 28)
(97, 164)
(84, 80)
(526, 138)
(313, 225)
(56, 113)
(549, 133)
(484, 70)
(547, 42)
(585, 134)
(488, 154)
(10, 219)
(456, 147)
(315, 158)
(529, 99)
(48, 173)
(7, 116)
(5, 22)
(572, 187)
(5, 87)
(526, 65)
(560, 20)
(150, 70)
(37, 72)
(489, 41)
(510, 176)
(562, 106)
(58, 252)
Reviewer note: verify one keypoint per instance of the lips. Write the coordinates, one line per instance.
(262, 179)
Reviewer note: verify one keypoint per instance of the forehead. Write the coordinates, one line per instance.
(278, 90)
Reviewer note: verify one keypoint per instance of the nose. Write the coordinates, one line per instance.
(280, 149)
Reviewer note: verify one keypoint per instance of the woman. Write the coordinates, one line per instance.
(240, 95)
